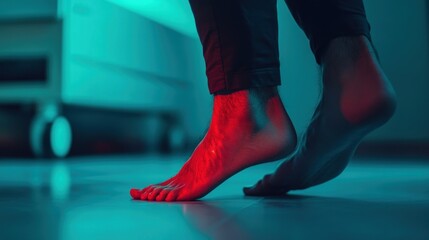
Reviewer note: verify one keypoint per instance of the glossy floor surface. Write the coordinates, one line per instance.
(87, 198)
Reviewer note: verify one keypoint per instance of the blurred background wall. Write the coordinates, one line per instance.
(142, 60)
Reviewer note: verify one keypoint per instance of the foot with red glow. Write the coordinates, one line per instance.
(357, 98)
(248, 127)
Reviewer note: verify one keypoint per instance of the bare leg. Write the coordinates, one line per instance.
(248, 127)
(357, 98)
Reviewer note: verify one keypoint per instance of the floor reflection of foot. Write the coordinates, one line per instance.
(211, 221)
(357, 98)
(248, 127)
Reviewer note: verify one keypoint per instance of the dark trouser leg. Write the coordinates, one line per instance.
(240, 43)
(324, 20)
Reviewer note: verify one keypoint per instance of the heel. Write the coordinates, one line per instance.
(383, 111)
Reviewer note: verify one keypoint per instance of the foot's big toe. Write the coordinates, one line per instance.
(135, 193)
(264, 188)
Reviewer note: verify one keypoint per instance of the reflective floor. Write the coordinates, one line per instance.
(87, 198)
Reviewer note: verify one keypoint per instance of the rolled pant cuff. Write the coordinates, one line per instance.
(356, 26)
(245, 80)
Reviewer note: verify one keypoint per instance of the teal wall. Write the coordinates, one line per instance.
(300, 74)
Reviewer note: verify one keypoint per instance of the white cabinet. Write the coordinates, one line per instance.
(88, 53)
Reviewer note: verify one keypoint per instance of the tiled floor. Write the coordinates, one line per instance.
(87, 198)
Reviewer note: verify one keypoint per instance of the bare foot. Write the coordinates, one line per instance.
(357, 98)
(248, 127)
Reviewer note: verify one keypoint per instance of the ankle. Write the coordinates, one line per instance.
(345, 57)
(262, 93)
(346, 50)
(255, 108)
(244, 102)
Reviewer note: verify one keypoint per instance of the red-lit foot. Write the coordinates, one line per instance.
(248, 127)
(357, 98)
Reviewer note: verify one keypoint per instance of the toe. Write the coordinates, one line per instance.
(152, 195)
(247, 191)
(135, 193)
(143, 196)
(147, 188)
(265, 188)
(144, 193)
(172, 196)
(253, 190)
(161, 196)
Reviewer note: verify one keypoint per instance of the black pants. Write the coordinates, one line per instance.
(240, 37)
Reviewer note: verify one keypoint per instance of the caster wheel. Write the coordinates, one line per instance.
(50, 138)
